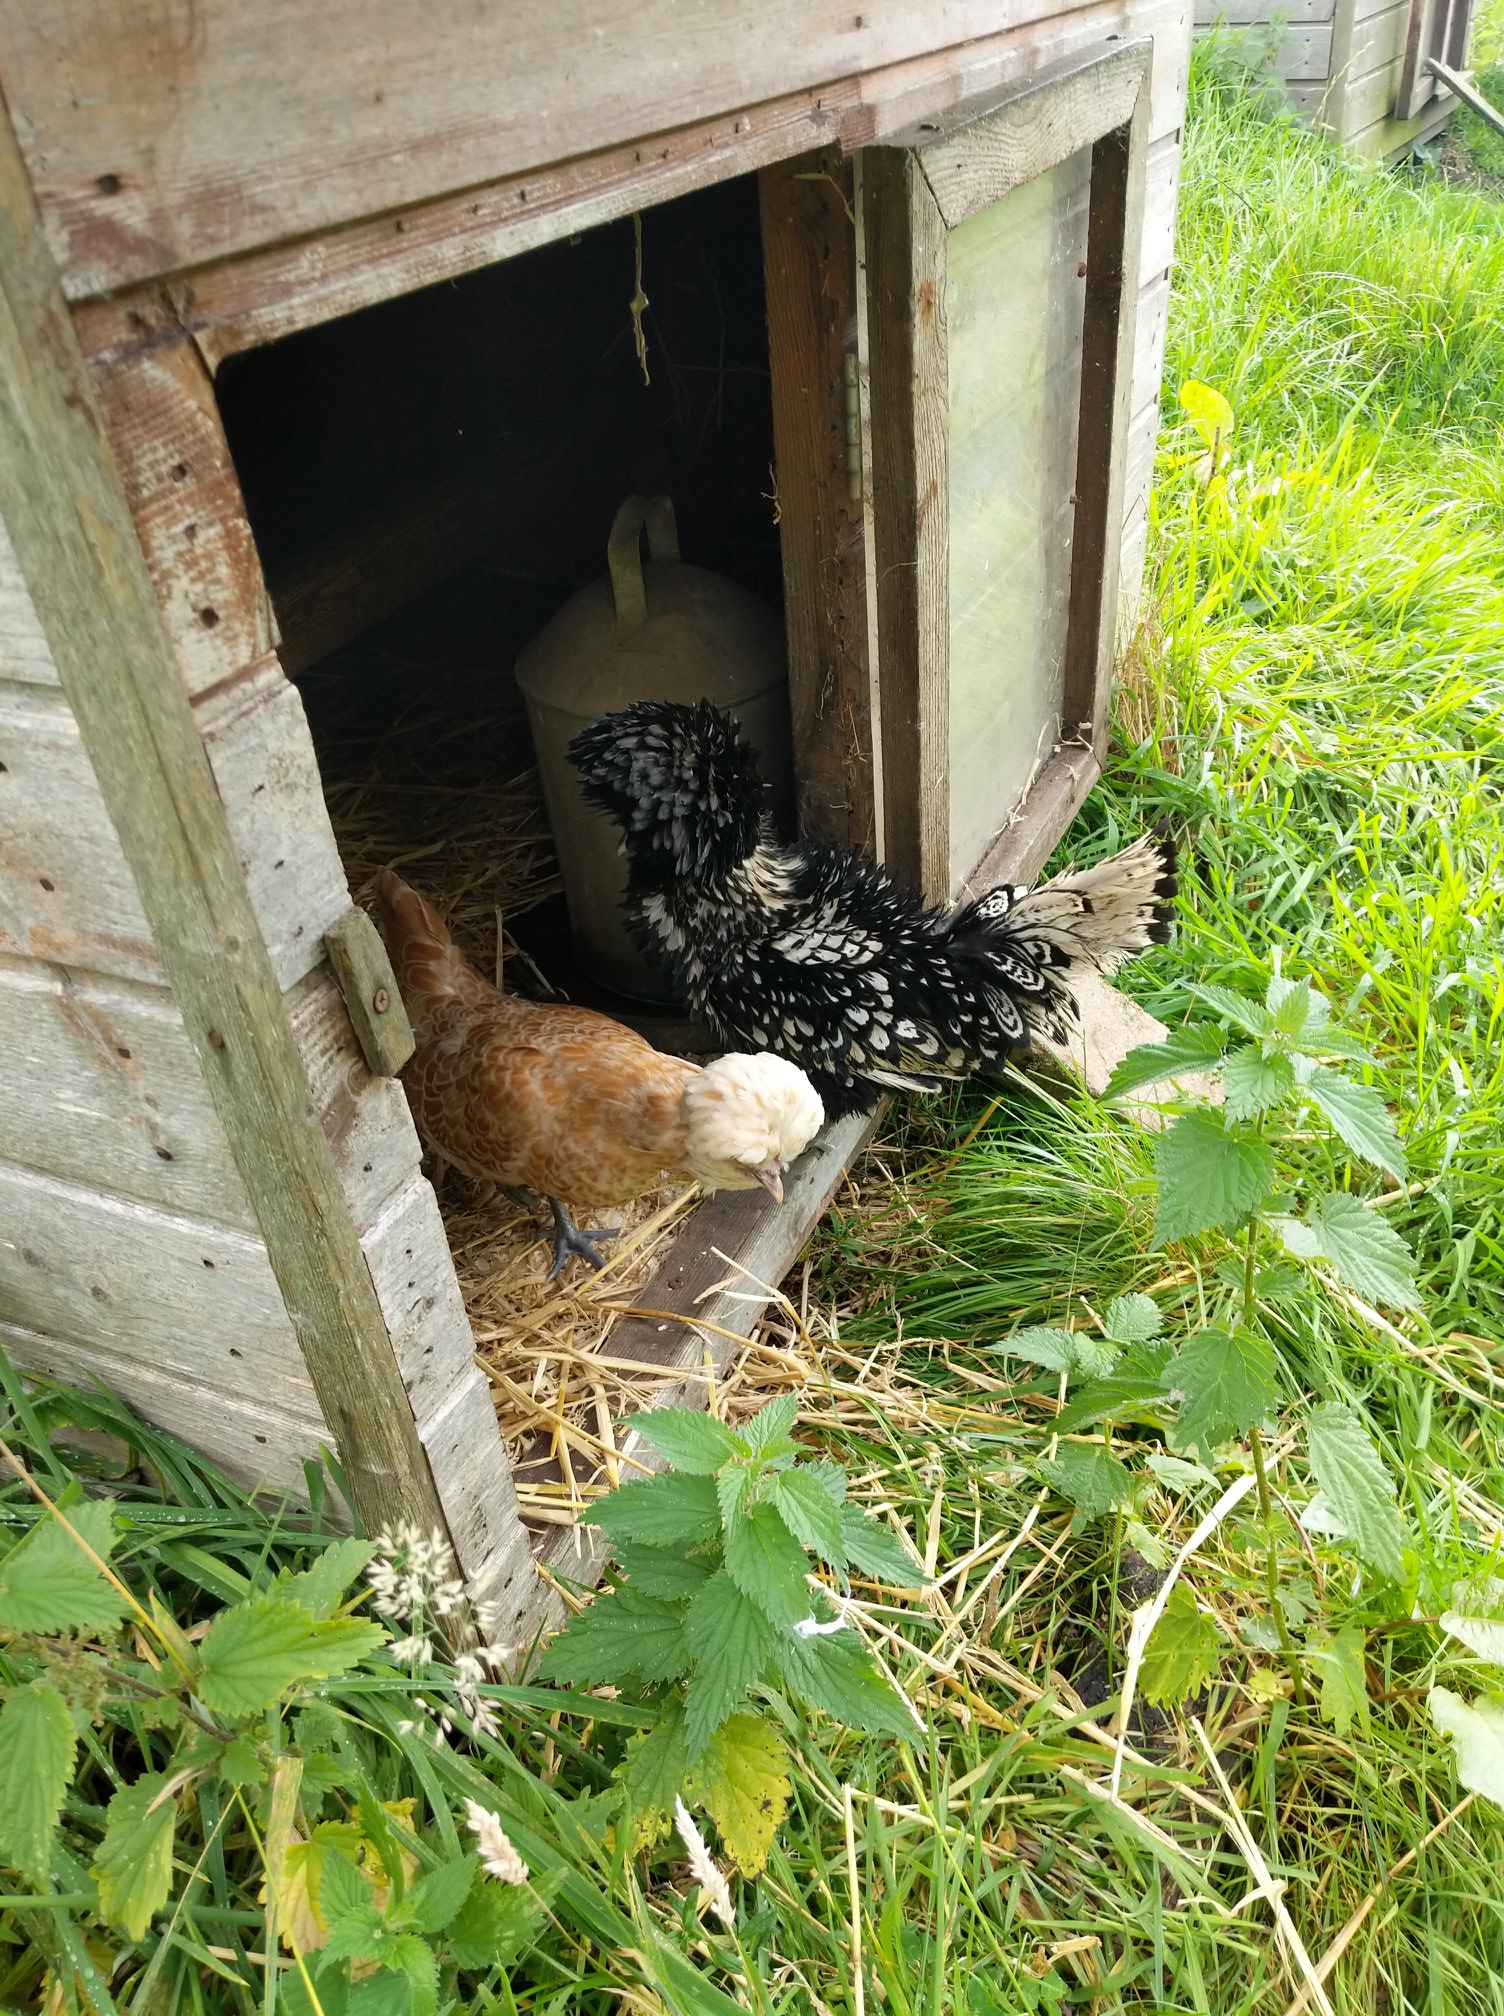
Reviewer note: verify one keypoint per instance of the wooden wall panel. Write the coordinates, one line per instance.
(24, 654)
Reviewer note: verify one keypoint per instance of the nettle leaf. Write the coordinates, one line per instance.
(1227, 1384)
(1208, 412)
(1133, 1319)
(772, 1424)
(320, 1588)
(1358, 1116)
(731, 1640)
(1184, 1054)
(731, 1488)
(618, 1636)
(1483, 1635)
(414, 1958)
(875, 1550)
(1253, 1083)
(36, 1768)
(1228, 1005)
(1477, 1732)
(252, 1654)
(1178, 1475)
(134, 1865)
(1181, 1656)
(830, 1477)
(1292, 1004)
(1053, 1349)
(1209, 1175)
(1358, 1490)
(1365, 1251)
(1344, 1678)
(688, 1439)
(1131, 1393)
(769, 1566)
(47, 1582)
(675, 1509)
(742, 1781)
(435, 1899)
(356, 1934)
(654, 1571)
(839, 1676)
(1092, 1478)
(303, 1914)
(499, 1922)
(810, 1513)
(382, 1994)
(653, 1771)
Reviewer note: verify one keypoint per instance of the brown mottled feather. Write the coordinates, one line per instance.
(554, 1098)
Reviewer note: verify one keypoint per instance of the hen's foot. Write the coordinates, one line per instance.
(569, 1239)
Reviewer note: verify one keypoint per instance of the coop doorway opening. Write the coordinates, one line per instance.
(429, 482)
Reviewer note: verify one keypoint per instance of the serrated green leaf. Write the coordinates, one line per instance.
(772, 1424)
(688, 1439)
(36, 1768)
(356, 1934)
(1178, 1475)
(769, 1566)
(810, 1513)
(1292, 1004)
(242, 1763)
(731, 1640)
(839, 1676)
(330, 1983)
(1036, 1345)
(1359, 1118)
(742, 1781)
(618, 1636)
(321, 1587)
(830, 1477)
(437, 1896)
(654, 1571)
(1358, 1490)
(1184, 1054)
(498, 1924)
(1366, 1252)
(731, 1488)
(1253, 1083)
(47, 1582)
(1230, 1006)
(1226, 1382)
(1092, 1478)
(1208, 412)
(381, 1994)
(414, 1958)
(1477, 1732)
(1181, 1656)
(675, 1509)
(1344, 1679)
(1483, 1635)
(134, 1865)
(1209, 1175)
(873, 1549)
(1133, 1319)
(341, 1886)
(653, 1771)
(255, 1652)
(1125, 1395)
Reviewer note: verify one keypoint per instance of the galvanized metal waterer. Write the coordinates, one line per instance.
(664, 631)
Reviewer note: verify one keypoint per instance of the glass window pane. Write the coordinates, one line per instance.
(1014, 305)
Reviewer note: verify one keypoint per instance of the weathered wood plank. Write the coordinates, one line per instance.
(809, 264)
(187, 1297)
(66, 891)
(372, 999)
(78, 551)
(1138, 465)
(186, 503)
(413, 1270)
(103, 1088)
(1258, 13)
(1029, 838)
(267, 774)
(366, 1120)
(1149, 349)
(974, 155)
(250, 1440)
(157, 143)
(491, 1544)
(906, 508)
(718, 1277)
(24, 656)
(265, 294)
(1160, 207)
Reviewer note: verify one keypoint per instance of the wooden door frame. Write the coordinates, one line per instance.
(1440, 28)
(913, 190)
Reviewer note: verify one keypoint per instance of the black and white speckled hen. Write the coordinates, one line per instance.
(808, 951)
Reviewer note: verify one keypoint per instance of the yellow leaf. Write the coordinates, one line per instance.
(401, 1810)
(1207, 411)
(742, 1781)
(300, 1919)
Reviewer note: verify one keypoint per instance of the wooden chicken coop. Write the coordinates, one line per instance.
(1357, 70)
(332, 338)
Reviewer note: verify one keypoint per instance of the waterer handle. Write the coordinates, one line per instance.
(624, 555)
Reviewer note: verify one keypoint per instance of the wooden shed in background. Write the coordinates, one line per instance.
(1357, 69)
(302, 310)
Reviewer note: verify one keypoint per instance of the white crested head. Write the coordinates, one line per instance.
(748, 1119)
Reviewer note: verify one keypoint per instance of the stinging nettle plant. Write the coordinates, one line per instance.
(714, 1598)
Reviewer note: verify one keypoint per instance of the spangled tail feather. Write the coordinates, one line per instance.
(430, 967)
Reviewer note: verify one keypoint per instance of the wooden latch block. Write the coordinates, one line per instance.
(369, 986)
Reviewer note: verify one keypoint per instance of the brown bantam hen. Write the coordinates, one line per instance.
(569, 1104)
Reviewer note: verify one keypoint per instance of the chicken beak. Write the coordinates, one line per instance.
(772, 1181)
